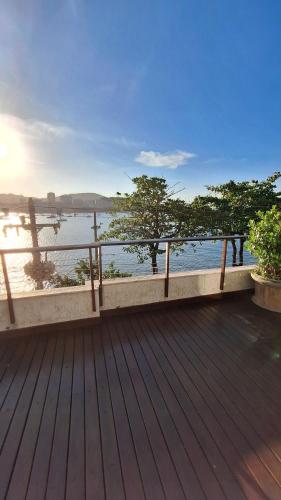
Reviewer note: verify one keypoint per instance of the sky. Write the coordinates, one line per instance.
(94, 92)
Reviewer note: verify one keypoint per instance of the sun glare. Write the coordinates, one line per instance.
(13, 154)
(3, 151)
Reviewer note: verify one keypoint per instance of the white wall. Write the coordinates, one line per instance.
(68, 304)
(150, 289)
(49, 306)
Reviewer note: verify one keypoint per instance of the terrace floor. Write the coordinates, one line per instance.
(183, 402)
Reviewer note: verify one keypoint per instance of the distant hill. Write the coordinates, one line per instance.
(71, 201)
(85, 200)
(83, 196)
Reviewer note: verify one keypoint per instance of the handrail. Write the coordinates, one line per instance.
(86, 246)
(99, 245)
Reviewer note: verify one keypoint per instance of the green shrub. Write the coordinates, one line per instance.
(82, 274)
(264, 243)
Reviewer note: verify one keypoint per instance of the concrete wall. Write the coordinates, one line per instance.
(150, 289)
(49, 306)
(74, 303)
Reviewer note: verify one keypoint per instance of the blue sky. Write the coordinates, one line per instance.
(96, 92)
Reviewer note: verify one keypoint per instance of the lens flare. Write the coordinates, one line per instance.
(13, 154)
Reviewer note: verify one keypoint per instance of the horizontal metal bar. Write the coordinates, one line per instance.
(170, 240)
(57, 248)
(86, 246)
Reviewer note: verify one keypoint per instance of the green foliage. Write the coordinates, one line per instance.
(233, 204)
(59, 281)
(153, 214)
(230, 207)
(82, 272)
(39, 270)
(264, 242)
(111, 273)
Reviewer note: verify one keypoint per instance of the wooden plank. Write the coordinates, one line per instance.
(6, 355)
(249, 442)
(75, 482)
(12, 360)
(184, 424)
(171, 484)
(249, 322)
(149, 472)
(253, 318)
(40, 467)
(259, 367)
(129, 409)
(238, 347)
(268, 423)
(111, 460)
(58, 462)
(24, 457)
(182, 373)
(93, 452)
(130, 469)
(13, 438)
(11, 399)
(4, 346)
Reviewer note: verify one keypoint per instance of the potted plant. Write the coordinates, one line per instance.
(264, 243)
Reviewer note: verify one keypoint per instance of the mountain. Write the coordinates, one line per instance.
(71, 201)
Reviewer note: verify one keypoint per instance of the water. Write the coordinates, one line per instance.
(77, 230)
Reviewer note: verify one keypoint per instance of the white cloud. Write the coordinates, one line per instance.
(43, 129)
(126, 143)
(167, 160)
(36, 129)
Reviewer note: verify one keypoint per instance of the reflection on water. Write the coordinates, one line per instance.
(75, 230)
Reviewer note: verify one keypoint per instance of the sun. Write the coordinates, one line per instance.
(3, 151)
(13, 154)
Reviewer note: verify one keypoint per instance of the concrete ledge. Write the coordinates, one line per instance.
(49, 306)
(61, 305)
(137, 291)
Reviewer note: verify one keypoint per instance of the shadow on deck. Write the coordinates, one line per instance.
(176, 403)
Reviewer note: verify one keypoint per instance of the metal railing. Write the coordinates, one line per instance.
(99, 245)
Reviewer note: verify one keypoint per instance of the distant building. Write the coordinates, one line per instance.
(51, 201)
(51, 197)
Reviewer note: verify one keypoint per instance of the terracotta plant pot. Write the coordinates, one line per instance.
(267, 293)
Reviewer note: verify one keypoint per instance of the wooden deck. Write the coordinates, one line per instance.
(169, 404)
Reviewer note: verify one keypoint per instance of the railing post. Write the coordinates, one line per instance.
(223, 264)
(8, 290)
(100, 276)
(241, 251)
(167, 268)
(92, 279)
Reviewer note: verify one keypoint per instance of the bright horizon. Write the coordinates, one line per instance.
(93, 93)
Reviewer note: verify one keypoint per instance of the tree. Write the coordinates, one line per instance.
(233, 204)
(153, 213)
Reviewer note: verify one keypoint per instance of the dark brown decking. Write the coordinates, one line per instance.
(176, 403)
